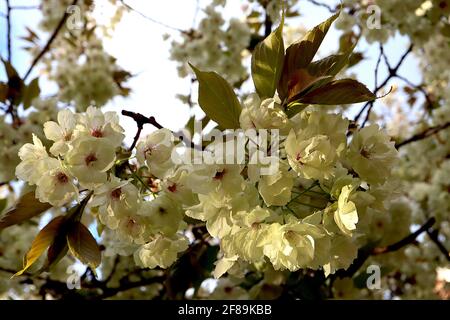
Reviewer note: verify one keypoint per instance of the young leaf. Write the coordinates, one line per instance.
(15, 84)
(217, 99)
(3, 203)
(57, 250)
(300, 54)
(345, 91)
(26, 208)
(30, 92)
(267, 63)
(83, 246)
(11, 72)
(42, 241)
(302, 81)
(330, 65)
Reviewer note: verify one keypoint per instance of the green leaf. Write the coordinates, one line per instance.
(42, 241)
(217, 99)
(295, 108)
(31, 91)
(190, 124)
(83, 246)
(26, 208)
(3, 203)
(345, 91)
(300, 54)
(267, 63)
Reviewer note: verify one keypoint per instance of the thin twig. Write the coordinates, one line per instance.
(418, 87)
(378, 65)
(433, 234)
(150, 18)
(197, 10)
(110, 292)
(113, 270)
(25, 8)
(377, 68)
(424, 134)
(49, 42)
(392, 73)
(323, 5)
(141, 120)
(8, 29)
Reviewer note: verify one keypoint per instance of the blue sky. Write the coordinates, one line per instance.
(140, 48)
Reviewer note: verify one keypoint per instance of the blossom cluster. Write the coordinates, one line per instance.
(14, 135)
(214, 45)
(313, 212)
(78, 61)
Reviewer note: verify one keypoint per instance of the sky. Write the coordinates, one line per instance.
(138, 45)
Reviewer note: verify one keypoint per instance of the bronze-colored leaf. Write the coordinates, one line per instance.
(302, 81)
(11, 72)
(330, 65)
(83, 246)
(345, 91)
(300, 54)
(3, 91)
(42, 241)
(26, 208)
(57, 250)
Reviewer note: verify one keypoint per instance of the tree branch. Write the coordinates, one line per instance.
(49, 42)
(364, 253)
(424, 134)
(418, 87)
(140, 121)
(113, 270)
(8, 29)
(433, 234)
(25, 8)
(372, 103)
(405, 241)
(267, 25)
(110, 292)
(323, 5)
(392, 73)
